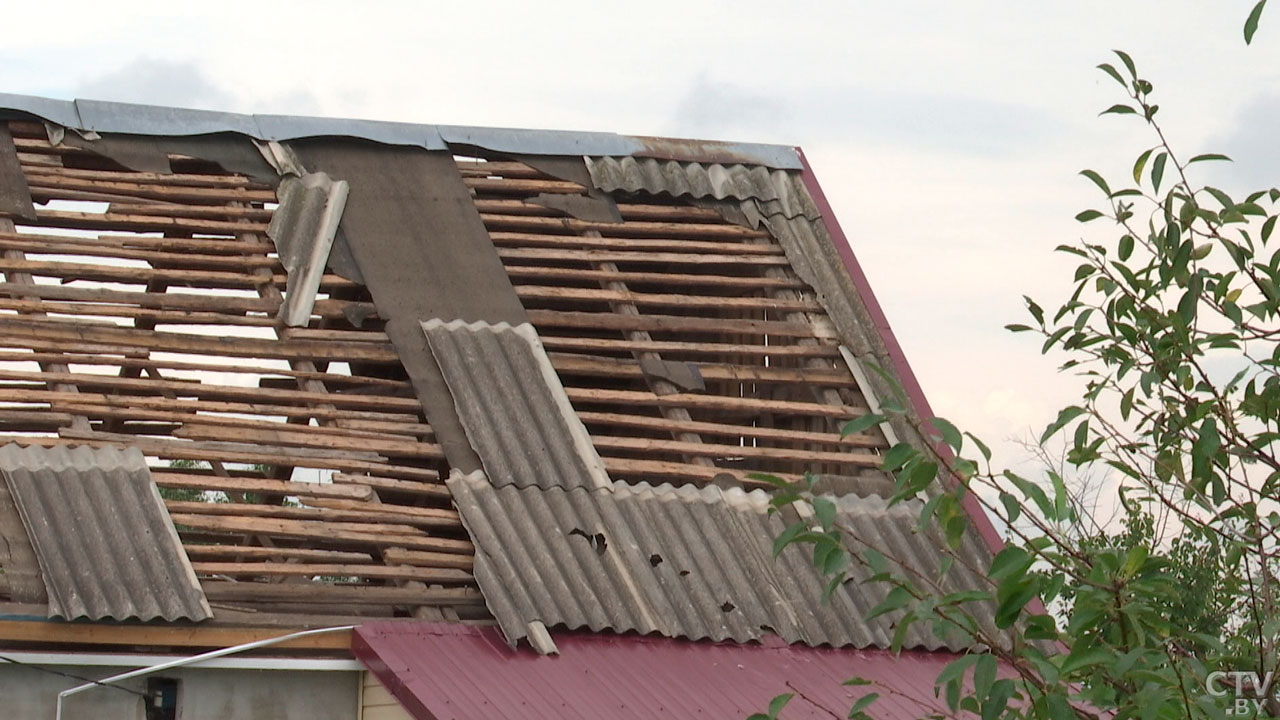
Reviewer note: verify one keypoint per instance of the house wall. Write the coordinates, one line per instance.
(376, 703)
(206, 694)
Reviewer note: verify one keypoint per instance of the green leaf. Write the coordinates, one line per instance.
(1251, 24)
(1126, 247)
(875, 560)
(897, 456)
(1119, 110)
(955, 670)
(1080, 659)
(1013, 597)
(1209, 156)
(1128, 63)
(859, 424)
(862, 703)
(787, 537)
(1065, 416)
(1110, 69)
(767, 478)
(1011, 507)
(1157, 170)
(982, 447)
(1096, 179)
(778, 703)
(1032, 491)
(825, 510)
(998, 699)
(984, 674)
(1140, 164)
(950, 435)
(897, 599)
(1088, 215)
(856, 681)
(1010, 561)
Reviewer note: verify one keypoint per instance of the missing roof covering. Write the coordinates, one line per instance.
(15, 196)
(303, 229)
(511, 403)
(688, 562)
(756, 196)
(106, 545)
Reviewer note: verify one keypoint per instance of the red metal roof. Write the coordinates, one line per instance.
(446, 671)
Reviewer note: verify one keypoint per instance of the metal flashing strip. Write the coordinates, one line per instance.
(133, 660)
(113, 117)
(511, 404)
(106, 545)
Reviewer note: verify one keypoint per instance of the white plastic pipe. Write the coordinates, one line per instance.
(191, 660)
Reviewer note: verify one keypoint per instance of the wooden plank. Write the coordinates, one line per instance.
(643, 299)
(160, 301)
(646, 470)
(400, 556)
(668, 323)
(744, 405)
(211, 391)
(648, 422)
(26, 327)
(674, 244)
(554, 342)
(515, 186)
(629, 211)
(172, 260)
(138, 223)
(451, 576)
(206, 246)
(305, 438)
(490, 168)
(685, 281)
(324, 531)
(151, 190)
(362, 381)
(149, 316)
(637, 228)
(224, 552)
(424, 489)
(613, 367)
(622, 256)
(130, 275)
(268, 486)
(142, 178)
(382, 515)
(243, 453)
(168, 635)
(319, 593)
(605, 442)
(69, 399)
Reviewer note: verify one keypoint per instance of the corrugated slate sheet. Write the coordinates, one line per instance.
(449, 672)
(106, 545)
(303, 228)
(684, 562)
(512, 405)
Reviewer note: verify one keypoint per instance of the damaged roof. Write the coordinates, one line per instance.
(307, 326)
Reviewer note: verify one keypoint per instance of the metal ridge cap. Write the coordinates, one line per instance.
(142, 119)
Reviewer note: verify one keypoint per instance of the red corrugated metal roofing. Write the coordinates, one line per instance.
(445, 671)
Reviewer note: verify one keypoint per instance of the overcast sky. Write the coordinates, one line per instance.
(947, 135)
